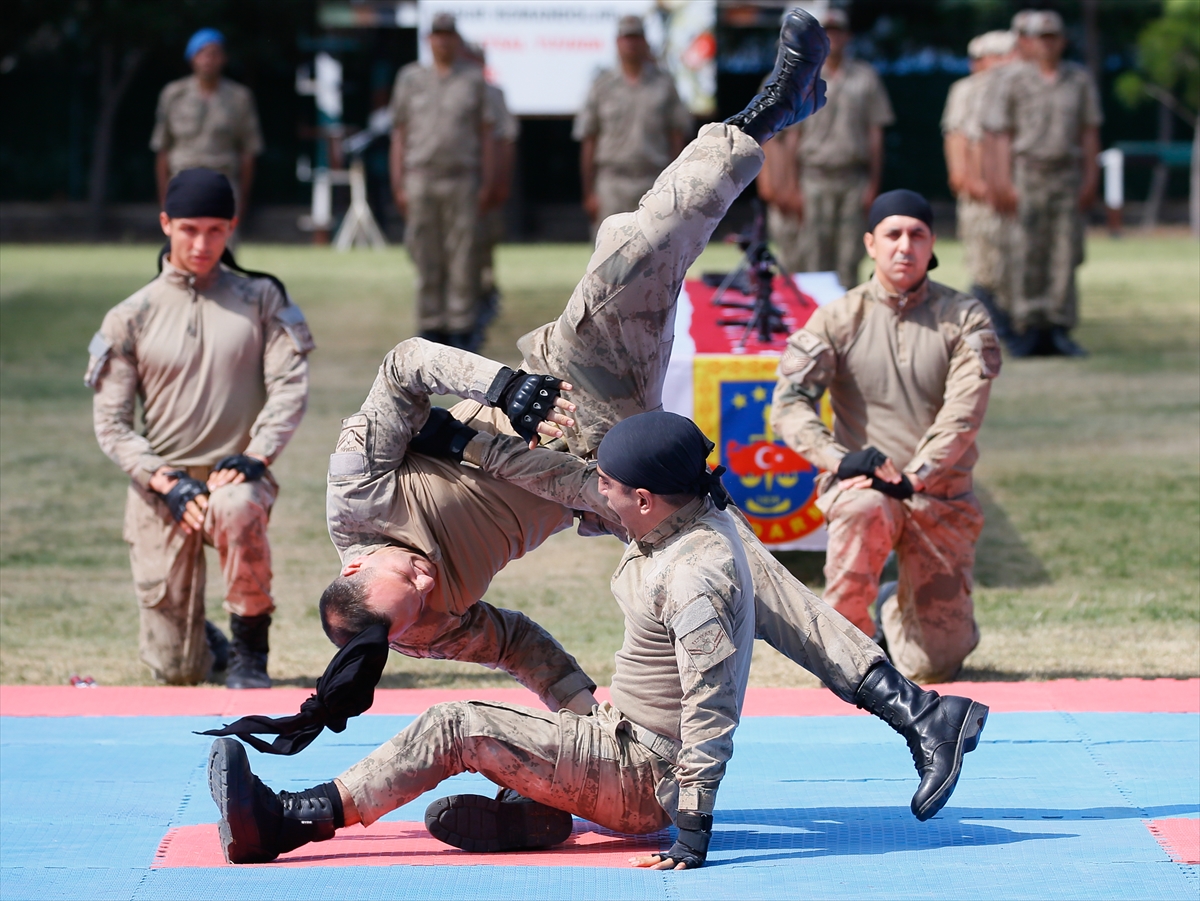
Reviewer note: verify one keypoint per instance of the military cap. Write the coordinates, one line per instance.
(631, 27)
(444, 22)
(1041, 22)
(834, 17)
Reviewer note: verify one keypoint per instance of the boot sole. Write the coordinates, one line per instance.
(231, 785)
(968, 740)
(483, 825)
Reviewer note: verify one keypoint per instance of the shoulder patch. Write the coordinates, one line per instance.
(701, 634)
(987, 348)
(291, 317)
(99, 350)
(800, 358)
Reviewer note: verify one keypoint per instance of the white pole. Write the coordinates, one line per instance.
(1113, 161)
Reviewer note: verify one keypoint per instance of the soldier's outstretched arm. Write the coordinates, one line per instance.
(549, 474)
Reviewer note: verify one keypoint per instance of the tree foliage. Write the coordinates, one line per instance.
(1168, 59)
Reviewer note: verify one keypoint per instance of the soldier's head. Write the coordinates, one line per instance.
(651, 465)
(837, 25)
(445, 43)
(385, 587)
(632, 48)
(900, 239)
(206, 52)
(1041, 32)
(993, 48)
(198, 218)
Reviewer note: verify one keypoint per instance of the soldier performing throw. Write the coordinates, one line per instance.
(421, 537)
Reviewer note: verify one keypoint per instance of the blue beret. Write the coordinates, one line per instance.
(201, 39)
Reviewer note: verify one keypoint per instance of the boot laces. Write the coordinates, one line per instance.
(301, 804)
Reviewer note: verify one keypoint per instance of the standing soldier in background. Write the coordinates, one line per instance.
(983, 230)
(505, 132)
(631, 126)
(824, 175)
(442, 177)
(218, 358)
(204, 120)
(1042, 122)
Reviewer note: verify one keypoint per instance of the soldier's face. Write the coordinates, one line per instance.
(1049, 48)
(632, 49)
(901, 247)
(633, 507)
(208, 61)
(397, 583)
(197, 244)
(444, 45)
(838, 39)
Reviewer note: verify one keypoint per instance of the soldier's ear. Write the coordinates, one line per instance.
(352, 568)
(869, 243)
(165, 222)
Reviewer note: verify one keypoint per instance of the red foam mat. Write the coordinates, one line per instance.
(1179, 837)
(1075, 695)
(387, 844)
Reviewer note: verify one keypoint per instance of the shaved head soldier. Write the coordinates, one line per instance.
(218, 358)
(421, 536)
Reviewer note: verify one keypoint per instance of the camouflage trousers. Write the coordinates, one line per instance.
(590, 766)
(986, 236)
(930, 626)
(169, 571)
(491, 232)
(830, 238)
(1047, 246)
(613, 343)
(617, 193)
(440, 233)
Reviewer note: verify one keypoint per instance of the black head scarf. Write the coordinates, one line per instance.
(902, 202)
(196, 193)
(346, 689)
(665, 453)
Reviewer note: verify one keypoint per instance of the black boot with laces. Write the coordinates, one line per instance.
(257, 825)
(939, 730)
(794, 90)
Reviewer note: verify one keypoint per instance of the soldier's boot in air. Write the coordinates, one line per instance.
(218, 644)
(510, 822)
(248, 651)
(939, 730)
(794, 90)
(257, 825)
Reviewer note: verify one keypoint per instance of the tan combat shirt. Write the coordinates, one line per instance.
(688, 599)
(220, 371)
(963, 96)
(1045, 117)
(505, 125)
(211, 131)
(442, 118)
(632, 122)
(909, 375)
(838, 135)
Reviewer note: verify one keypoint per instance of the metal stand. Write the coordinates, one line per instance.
(759, 266)
(358, 223)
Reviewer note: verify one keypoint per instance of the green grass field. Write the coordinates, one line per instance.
(1089, 563)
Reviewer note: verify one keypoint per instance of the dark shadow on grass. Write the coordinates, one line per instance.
(1002, 558)
(807, 566)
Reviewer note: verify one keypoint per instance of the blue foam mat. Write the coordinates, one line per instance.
(1051, 805)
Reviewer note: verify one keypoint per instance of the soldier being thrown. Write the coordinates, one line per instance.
(218, 359)
(421, 538)
(655, 755)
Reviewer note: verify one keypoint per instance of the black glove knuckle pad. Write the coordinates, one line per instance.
(250, 467)
(183, 492)
(527, 399)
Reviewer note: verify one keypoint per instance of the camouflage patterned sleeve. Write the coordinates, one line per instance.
(285, 375)
(700, 584)
(549, 474)
(112, 372)
(161, 138)
(974, 362)
(250, 138)
(510, 641)
(805, 370)
(587, 120)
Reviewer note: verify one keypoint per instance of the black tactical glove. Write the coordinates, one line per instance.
(185, 490)
(691, 845)
(442, 436)
(526, 399)
(251, 467)
(864, 463)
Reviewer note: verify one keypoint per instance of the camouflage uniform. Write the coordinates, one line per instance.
(220, 371)
(491, 224)
(632, 125)
(210, 131)
(1046, 120)
(833, 156)
(659, 747)
(443, 121)
(910, 375)
(984, 232)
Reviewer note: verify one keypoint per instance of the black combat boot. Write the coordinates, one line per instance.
(218, 644)
(511, 822)
(248, 660)
(1064, 345)
(939, 730)
(794, 90)
(258, 825)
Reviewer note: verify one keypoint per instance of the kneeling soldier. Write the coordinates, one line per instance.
(218, 358)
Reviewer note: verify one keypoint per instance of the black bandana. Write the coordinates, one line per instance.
(346, 689)
(902, 202)
(196, 193)
(665, 453)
